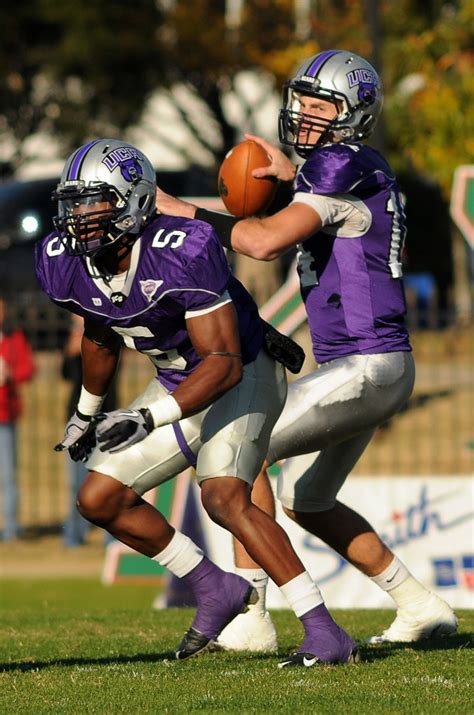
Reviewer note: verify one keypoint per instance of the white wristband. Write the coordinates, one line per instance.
(165, 411)
(89, 404)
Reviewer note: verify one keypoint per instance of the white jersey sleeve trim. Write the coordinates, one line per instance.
(222, 300)
(341, 214)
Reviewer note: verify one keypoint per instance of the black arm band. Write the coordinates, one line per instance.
(222, 223)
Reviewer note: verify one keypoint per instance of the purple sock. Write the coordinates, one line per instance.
(220, 596)
(204, 578)
(324, 638)
(316, 617)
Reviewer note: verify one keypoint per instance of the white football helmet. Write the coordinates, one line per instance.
(106, 191)
(340, 77)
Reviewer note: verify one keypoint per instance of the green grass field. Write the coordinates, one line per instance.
(75, 646)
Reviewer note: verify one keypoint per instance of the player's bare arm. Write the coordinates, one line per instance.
(100, 349)
(262, 238)
(171, 206)
(267, 238)
(215, 338)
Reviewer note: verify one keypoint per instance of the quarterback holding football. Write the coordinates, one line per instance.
(346, 218)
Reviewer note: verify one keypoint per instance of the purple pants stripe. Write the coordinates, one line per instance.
(183, 445)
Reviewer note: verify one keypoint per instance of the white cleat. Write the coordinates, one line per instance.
(250, 631)
(435, 619)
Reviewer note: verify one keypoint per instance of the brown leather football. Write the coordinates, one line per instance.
(242, 194)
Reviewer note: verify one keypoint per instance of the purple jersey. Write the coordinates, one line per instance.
(177, 267)
(352, 286)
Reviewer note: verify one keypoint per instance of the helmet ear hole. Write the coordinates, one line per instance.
(365, 121)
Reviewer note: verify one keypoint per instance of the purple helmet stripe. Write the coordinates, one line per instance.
(77, 161)
(319, 61)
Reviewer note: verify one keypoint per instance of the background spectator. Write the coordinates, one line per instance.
(16, 366)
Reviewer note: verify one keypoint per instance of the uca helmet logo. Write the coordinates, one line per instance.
(366, 82)
(128, 161)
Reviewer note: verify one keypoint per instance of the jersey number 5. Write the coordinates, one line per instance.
(173, 239)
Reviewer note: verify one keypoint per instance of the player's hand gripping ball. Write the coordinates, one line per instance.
(242, 194)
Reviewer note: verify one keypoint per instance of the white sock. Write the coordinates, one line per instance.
(410, 594)
(395, 573)
(180, 556)
(259, 579)
(302, 593)
(398, 582)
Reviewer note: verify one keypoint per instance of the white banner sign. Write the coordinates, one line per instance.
(428, 522)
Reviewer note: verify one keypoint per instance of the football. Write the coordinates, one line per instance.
(242, 194)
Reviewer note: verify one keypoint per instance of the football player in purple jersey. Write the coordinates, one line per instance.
(163, 287)
(347, 220)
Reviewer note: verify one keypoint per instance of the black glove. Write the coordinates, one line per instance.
(79, 437)
(120, 429)
(283, 349)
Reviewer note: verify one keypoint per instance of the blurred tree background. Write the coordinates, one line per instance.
(78, 70)
(72, 71)
(75, 70)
